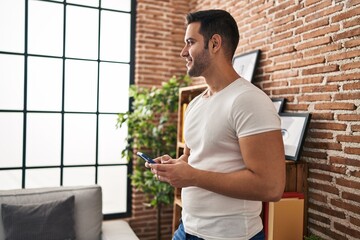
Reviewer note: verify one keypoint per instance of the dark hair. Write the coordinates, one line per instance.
(217, 22)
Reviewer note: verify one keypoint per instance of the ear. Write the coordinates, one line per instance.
(215, 42)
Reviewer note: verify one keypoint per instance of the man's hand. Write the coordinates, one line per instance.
(177, 172)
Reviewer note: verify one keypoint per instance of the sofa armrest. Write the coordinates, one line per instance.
(117, 229)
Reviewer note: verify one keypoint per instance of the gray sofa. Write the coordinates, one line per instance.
(83, 202)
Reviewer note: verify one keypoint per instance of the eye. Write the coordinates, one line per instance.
(189, 42)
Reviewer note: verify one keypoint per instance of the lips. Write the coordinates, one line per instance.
(188, 62)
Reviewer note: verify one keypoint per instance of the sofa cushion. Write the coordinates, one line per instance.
(88, 206)
(46, 221)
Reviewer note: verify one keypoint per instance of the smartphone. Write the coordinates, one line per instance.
(146, 157)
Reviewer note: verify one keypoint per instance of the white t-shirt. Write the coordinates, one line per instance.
(213, 126)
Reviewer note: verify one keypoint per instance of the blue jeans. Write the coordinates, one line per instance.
(180, 234)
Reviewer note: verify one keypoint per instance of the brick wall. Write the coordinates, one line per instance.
(310, 56)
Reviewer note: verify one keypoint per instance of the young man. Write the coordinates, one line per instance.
(234, 154)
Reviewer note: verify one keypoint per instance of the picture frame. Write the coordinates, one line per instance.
(294, 128)
(279, 104)
(245, 64)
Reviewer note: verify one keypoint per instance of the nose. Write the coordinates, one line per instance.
(184, 52)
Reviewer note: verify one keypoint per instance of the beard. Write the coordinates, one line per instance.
(200, 63)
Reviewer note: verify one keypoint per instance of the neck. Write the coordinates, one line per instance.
(218, 79)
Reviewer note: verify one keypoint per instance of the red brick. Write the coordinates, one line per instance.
(348, 183)
(322, 50)
(324, 69)
(345, 206)
(343, 55)
(352, 86)
(355, 128)
(320, 135)
(314, 98)
(349, 117)
(281, 7)
(322, 116)
(314, 43)
(287, 27)
(320, 88)
(355, 221)
(352, 150)
(329, 126)
(347, 34)
(317, 217)
(351, 196)
(348, 138)
(324, 12)
(350, 66)
(317, 197)
(355, 174)
(344, 77)
(327, 231)
(289, 10)
(345, 161)
(335, 106)
(323, 145)
(307, 80)
(329, 168)
(347, 96)
(346, 14)
(320, 176)
(285, 74)
(348, 229)
(307, 62)
(281, 51)
(321, 32)
(324, 188)
(287, 58)
(352, 23)
(351, 3)
(313, 8)
(352, 43)
(317, 155)
(275, 84)
(297, 107)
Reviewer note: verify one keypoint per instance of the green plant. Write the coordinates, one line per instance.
(152, 129)
(312, 237)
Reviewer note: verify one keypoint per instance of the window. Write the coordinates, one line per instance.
(65, 70)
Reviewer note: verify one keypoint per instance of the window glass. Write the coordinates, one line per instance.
(11, 139)
(79, 139)
(115, 36)
(122, 5)
(44, 84)
(111, 140)
(43, 137)
(12, 25)
(45, 28)
(10, 179)
(63, 79)
(111, 179)
(11, 81)
(94, 3)
(47, 177)
(80, 80)
(114, 87)
(77, 176)
(82, 32)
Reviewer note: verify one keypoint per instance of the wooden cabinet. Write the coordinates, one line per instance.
(296, 172)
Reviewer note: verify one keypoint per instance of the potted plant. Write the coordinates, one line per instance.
(152, 129)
